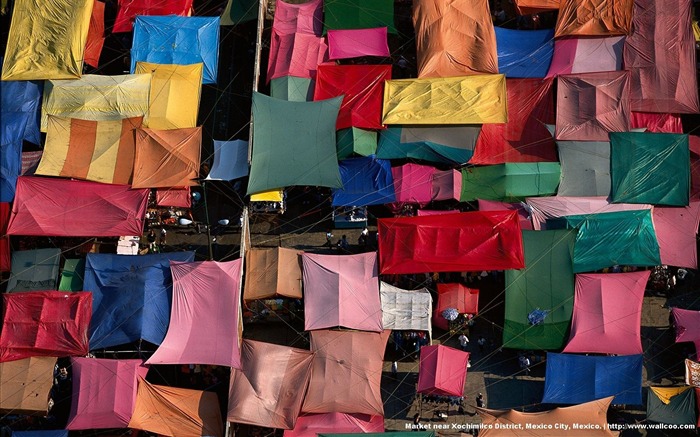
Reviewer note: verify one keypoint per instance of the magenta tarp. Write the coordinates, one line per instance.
(413, 183)
(543, 208)
(574, 55)
(104, 392)
(309, 425)
(661, 123)
(676, 230)
(457, 296)
(687, 325)
(204, 321)
(67, 208)
(608, 313)
(442, 371)
(353, 43)
(447, 185)
(494, 205)
(342, 290)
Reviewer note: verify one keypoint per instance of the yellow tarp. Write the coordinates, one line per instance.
(175, 93)
(451, 100)
(696, 30)
(96, 98)
(666, 393)
(267, 196)
(47, 39)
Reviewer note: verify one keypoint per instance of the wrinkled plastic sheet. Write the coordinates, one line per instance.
(594, 17)
(524, 53)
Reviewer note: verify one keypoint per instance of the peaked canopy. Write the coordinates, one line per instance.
(594, 17)
(309, 425)
(358, 14)
(34, 270)
(167, 158)
(454, 295)
(129, 9)
(544, 208)
(676, 230)
(230, 160)
(515, 180)
(272, 272)
(366, 181)
(353, 43)
(405, 309)
(441, 144)
(687, 325)
(672, 405)
(25, 385)
(586, 55)
(524, 53)
(413, 183)
(443, 371)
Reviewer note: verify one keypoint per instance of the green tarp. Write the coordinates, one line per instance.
(239, 11)
(358, 14)
(355, 141)
(679, 411)
(441, 144)
(72, 275)
(293, 89)
(510, 181)
(545, 284)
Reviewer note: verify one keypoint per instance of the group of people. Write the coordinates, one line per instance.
(155, 244)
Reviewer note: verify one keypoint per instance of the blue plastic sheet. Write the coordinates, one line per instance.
(366, 181)
(524, 53)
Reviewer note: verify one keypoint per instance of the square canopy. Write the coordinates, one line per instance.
(358, 14)
(441, 144)
(524, 53)
(544, 208)
(574, 55)
(353, 43)
(594, 17)
(34, 270)
(464, 299)
(405, 309)
(309, 425)
(292, 88)
(25, 385)
(230, 160)
(272, 272)
(510, 181)
(676, 230)
(366, 181)
(167, 158)
(129, 9)
(413, 183)
(442, 371)
(671, 405)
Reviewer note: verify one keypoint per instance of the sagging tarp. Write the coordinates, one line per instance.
(676, 231)
(574, 55)
(353, 43)
(47, 40)
(515, 180)
(358, 14)
(5, 258)
(360, 86)
(34, 270)
(441, 144)
(524, 53)
(672, 405)
(544, 208)
(355, 141)
(177, 196)
(230, 160)
(167, 158)
(413, 183)
(650, 168)
(608, 313)
(585, 168)
(131, 296)
(104, 392)
(96, 35)
(660, 54)
(524, 138)
(687, 324)
(468, 241)
(65, 208)
(573, 379)
(545, 285)
(454, 38)
(594, 18)
(366, 181)
(293, 89)
(72, 275)
(269, 389)
(527, 7)
(657, 122)
(96, 98)
(589, 105)
(442, 371)
(293, 144)
(346, 372)
(272, 272)
(25, 385)
(309, 425)
(173, 412)
(342, 290)
(129, 9)
(454, 295)
(100, 151)
(523, 213)
(406, 309)
(44, 324)
(446, 185)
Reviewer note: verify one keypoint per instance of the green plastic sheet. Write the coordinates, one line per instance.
(72, 275)
(239, 11)
(292, 88)
(355, 141)
(510, 181)
(424, 143)
(358, 14)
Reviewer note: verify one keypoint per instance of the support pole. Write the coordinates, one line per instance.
(206, 213)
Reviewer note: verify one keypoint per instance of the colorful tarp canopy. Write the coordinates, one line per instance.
(524, 53)
(687, 324)
(546, 284)
(179, 197)
(454, 295)
(47, 40)
(544, 208)
(676, 230)
(446, 185)
(359, 14)
(526, 7)
(129, 9)
(353, 43)
(230, 160)
(657, 122)
(269, 388)
(405, 309)
(309, 425)
(131, 296)
(44, 323)
(35, 269)
(573, 379)
(294, 89)
(96, 35)
(104, 392)
(442, 371)
(594, 17)
(672, 405)
(514, 180)
(72, 275)
(586, 55)
(167, 158)
(272, 272)
(520, 207)
(342, 290)
(355, 141)
(413, 183)
(585, 168)
(5, 263)
(366, 181)
(25, 385)
(441, 144)
(441, 243)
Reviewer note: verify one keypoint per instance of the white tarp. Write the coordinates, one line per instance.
(406, 309)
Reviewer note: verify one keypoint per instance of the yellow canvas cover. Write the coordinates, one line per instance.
(167, 158)
(272, 272)
(25, 385)
(268, 196)
(175, 93)
(47, 39)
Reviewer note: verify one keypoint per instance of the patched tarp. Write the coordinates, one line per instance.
(361, 88)
(5, 263)
(104, 392)
(687, 324)
(406, 309)
(676, 230)
(657, 122)
(508, 181)
(442, 371)
(230, 160)
(272, 272)
(342, 290)
(544, 208)
(167, 158)
(441, 144)
(650, 168)
(96, 35)
(44, 324)
(454, 295)
(520, 207)
(413, 183)
(594, 17)
(34, 270)
(470, 241)
(129, 9)
(586, 55)
(454, 38)
(366, 181)
(524, 53)
(25, 385)
(471, 99)
(527, 7)
(177, 40)
(294, 89)
(573, 379)
(660, 54)
(672, 405)
(72, 275)
(359, 14)
(173, 412)
(585, 168)
(293, 144)
(355, 141)
(19, 110)
(177, 196)
(346, 372)
(353, 43)
(47, 40)
(269, 388)
(608, 313)
(309, 425)
(131, 296)
(545, 285)
(100, 151)
(589, 105)
(524, 138)
(446, 185)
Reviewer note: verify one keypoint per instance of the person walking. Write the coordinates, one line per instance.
(463, 341)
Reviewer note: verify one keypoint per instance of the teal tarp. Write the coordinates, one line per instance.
(293, 89)
(355, 141)
(441, 144)
(510, 181)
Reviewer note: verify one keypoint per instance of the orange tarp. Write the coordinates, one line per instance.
(167, 158)
(96, 35)
(594, 17)
(272, 272)
(527, 7)
(25, 385)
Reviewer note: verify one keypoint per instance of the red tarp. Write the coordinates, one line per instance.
(178, 197)
(129, 9)
(687, 325)
(96, 35)
(66, 208)
(443, 371)
(5, 263)
(676, 230)
(594, 17)
(662, 123)
(309, 425)
(45, 324)
(494, 205)
(457, 296)
(413, 183)
(488, 240)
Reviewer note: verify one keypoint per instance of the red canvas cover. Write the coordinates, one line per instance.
(96, 35)
(543, 208)
(309, 425)
(5, 258)
(457, 296)
(204, 321)
(594, 17)
(447, 185)
(442, 371)
(178, 197)
(479, 240)
(524, 138)
(353, 43)
(687, 324)
(362, 88)
(66, 208)
(413, 183)
(586, 55)
(494, 205)
(663, 123)
(45, 324)
(676, 230)
(129, 9)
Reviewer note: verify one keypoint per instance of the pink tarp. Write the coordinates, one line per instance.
(204, 321)
(67, 208)
(676, 230)
(104, 392)
(413, 183)
(543, 208)
(309, 425)
(442, 371)
(342, 290)
(668, 123)
(586, 55)
(447, 185)
(457, 296)
(178, 197)
(608, 313)
(494, 205)
(353, 43)
(687, 325)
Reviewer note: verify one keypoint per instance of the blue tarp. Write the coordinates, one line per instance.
(366, 181)
(131, 296)
(524, 53)
(391, 147)
(574, 379)
(177, 40)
